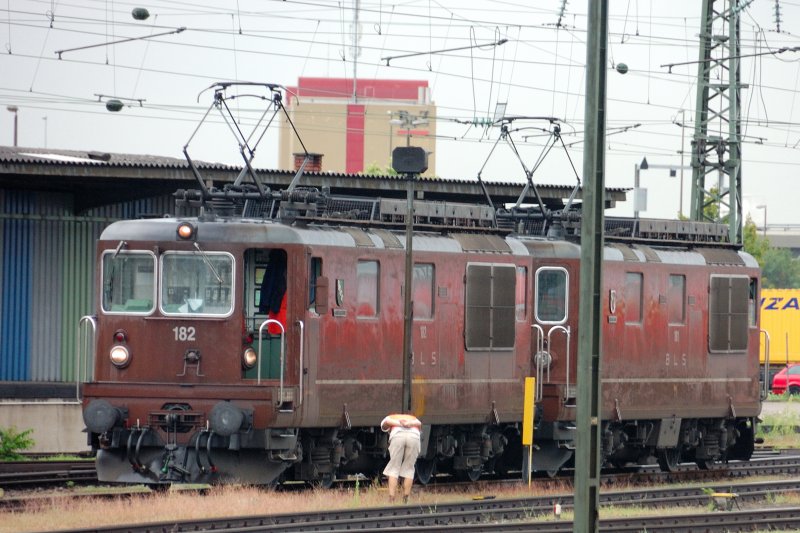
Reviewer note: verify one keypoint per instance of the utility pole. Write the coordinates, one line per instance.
(411, 161)
(588, 421)
(356, 48)
(683, 133)
(718, 110)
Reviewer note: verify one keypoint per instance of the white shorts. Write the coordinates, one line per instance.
(403, 453)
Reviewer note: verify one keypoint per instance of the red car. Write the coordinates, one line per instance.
(788, 378)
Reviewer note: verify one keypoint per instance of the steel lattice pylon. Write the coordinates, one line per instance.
(716, 146)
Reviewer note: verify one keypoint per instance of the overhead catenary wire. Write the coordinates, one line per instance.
(448, 66)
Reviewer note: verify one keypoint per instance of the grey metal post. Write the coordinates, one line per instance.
(411, 161)
(636, 191)
(587, 453)
(407, 311)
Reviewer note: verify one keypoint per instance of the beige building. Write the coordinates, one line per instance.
(354, 133)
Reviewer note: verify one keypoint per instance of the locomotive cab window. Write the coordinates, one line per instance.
(676, 299)
(197, 283)
(314, 273)
(632, 297)
(367, 285)
(490, 307)
(521, 297)
(128, 282)
(551, 295)
(728, 313)
(422, 292)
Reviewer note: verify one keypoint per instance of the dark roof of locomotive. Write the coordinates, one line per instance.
(267, 232)
(99, 178)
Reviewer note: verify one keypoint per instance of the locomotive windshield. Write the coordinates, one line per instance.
(197, 284)
(129, 282)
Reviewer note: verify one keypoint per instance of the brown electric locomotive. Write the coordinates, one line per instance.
(262, 340)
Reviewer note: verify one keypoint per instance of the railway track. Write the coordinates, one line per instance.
(18, 474)
(36, 474)
(487, 514)
(518, 514)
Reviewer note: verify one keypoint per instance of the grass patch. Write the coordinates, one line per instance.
(62, 457)
(780, 429)
(781, 499)
(785, 398)
(60, 512)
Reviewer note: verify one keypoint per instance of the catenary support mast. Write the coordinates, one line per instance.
(587, 453)
(716, 145)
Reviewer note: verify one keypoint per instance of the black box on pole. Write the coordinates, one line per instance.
(409, 160)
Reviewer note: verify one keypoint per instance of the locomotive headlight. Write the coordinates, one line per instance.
(249, 357)
(185, 230)
(120, 356)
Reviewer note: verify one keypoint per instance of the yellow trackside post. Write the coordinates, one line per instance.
(527, 425)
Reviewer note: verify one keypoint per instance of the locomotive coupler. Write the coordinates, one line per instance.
(169, 466)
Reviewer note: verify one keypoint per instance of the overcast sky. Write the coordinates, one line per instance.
(539, 72)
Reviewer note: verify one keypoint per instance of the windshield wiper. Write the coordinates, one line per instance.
(119, 247)
(208, 263)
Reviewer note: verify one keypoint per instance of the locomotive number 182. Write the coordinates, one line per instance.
(184, 333)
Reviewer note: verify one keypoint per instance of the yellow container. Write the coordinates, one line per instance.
(780, 317)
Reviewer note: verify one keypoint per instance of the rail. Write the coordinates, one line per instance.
(539, 361)
(568, 334)
(543, 358)
(765, 392)
(300, 376)
(82, 351)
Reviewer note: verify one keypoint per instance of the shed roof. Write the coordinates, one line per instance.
(100, 178)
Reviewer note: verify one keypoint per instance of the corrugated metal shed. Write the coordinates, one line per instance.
(46, 275)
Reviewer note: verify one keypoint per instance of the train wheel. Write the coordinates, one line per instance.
(472, 474)
(426, 468)
(704, 464)
(669, 459)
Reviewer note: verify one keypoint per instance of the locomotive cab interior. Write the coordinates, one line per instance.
(265, 297)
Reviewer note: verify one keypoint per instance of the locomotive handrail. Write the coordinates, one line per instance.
(79, 353)
(260, 344)
(300, 378)
(765, 392)
(568, 333)
(538, 361)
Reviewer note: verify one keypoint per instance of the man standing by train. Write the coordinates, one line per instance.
(404, 443)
